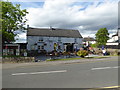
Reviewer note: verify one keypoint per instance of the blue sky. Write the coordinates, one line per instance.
(86, 16)
(26, 5)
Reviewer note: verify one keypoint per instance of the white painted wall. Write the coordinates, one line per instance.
(50, 42)
(90, 42)
(111, 43)
(113, 39)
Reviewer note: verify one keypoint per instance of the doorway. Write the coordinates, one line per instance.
(69, 47)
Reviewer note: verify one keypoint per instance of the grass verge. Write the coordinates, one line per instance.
(12, 56)
(65, 59)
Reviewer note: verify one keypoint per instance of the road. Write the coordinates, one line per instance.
(94, 74)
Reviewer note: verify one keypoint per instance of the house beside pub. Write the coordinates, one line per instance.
(89, 40)
(49, 39)
(17, 49)
(11, 49)
(114, 41)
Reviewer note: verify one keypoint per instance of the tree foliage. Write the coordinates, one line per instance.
(102, 36)
(13, 18)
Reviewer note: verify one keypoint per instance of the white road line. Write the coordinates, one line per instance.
(104, 68)
(39, 72)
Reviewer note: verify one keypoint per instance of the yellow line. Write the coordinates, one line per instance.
(112, 87)
(102, 88)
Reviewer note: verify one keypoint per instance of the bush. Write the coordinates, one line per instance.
(93, 45)
(82, 53)
(66, 53)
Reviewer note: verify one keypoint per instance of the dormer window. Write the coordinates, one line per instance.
(41, 40)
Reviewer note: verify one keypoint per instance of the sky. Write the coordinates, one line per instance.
(87, 16)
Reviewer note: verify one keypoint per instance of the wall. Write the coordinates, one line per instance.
(110, 51)
(112, 43)
(17, 59)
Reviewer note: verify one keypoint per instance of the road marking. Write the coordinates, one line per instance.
(112, 87)
(39, 72)
(104, 68)
(105, 88)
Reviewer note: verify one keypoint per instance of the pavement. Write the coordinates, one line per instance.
(83, 73)
(44, 57)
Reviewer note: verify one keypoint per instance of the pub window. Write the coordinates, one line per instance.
(41, 40)
(38, 47)
(42, 47)
(45, 44)
(75, 40)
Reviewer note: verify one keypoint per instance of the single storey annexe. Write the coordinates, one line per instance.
(41, 39)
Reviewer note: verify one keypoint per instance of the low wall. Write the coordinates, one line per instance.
(111, 46)
(113, 51)
(17, 59)
(109, 51)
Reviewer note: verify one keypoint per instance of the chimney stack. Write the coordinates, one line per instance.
(27, 26)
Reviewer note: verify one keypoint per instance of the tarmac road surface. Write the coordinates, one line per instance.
(77, 75)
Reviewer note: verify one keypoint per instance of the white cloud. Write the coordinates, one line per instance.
(20, 37)
(65, 14)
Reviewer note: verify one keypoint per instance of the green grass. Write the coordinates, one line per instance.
(102, 57)
(114, 55)
(99, 57)
(64, 59)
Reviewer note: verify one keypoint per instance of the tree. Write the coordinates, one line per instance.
(13, 18)
(102, 36)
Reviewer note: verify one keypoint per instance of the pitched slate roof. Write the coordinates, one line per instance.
(53, 32)
(117, 33)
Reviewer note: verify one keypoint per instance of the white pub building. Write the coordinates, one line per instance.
(40, 39)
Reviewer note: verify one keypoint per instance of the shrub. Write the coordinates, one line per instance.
(66, 53)
(93, 45)
(82, 53)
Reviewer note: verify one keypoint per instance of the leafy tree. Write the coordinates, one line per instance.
(13, 18)
(102, 36)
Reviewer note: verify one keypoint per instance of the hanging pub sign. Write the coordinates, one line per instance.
(55, 46)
